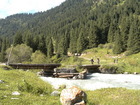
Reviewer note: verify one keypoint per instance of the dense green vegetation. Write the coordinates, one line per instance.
(74, 26)
(34, 91)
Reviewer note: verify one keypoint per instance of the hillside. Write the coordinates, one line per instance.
(109, 61)
(74, 26)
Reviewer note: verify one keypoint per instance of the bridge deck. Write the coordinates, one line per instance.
(91, 68)
(34, 66)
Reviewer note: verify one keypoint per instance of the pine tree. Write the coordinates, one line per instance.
(50, 49)
(73, 41)
(18, 39)
(81, 42)
(93, 37)
(3, 49)
(63, 45)
(42, 44)
(105, 28)
(134, 37)
(35, 42)
(118, 45)
(124, 32)
(28, 38)
(111, 33)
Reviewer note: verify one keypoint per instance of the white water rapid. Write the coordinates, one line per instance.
(97, 81)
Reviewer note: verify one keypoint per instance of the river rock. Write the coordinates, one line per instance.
(136, 73)
(1, 81)
(73, 96)
(16, 93)
(125, 72)
(55, 93)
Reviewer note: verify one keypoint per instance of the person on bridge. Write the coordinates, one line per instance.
(98, 61)
(92, 61)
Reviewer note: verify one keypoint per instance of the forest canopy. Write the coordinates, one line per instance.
(74, 26)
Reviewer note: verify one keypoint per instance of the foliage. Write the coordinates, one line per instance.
(50, 48)
(75, 26)
(19, 53)
(6, 67)
(38, 57)
(113, 69)
(72, 60)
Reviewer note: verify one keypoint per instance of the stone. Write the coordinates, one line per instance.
(73, 96)
(125, 72)
(81, 76)
(14, 98)
(80, 103)
(16, 93)
(41, 95)
(75, 77)
(1, 81)
(136, 73)
(41, 73)
(55, 93)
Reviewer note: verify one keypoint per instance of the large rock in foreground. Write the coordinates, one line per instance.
(73, 96)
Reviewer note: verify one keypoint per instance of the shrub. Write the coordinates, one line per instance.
(5, 67)
(19, 53)
(38, 57)
(111, 69)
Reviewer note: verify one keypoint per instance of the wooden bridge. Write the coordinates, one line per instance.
(34, 66)
(48, 69)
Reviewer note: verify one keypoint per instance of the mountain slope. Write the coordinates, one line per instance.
(77, 25)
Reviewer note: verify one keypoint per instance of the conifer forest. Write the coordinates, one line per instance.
(74, 26)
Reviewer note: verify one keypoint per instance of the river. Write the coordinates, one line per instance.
(97, 81)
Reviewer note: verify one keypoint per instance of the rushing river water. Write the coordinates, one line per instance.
(98, 81)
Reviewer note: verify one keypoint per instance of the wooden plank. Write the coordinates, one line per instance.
(66, 76)
(66, 73)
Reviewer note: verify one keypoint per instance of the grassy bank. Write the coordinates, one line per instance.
(114, 96)
(33, 90)
(36, 92)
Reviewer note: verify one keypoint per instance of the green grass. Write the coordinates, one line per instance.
(31, 87)
(114, 96)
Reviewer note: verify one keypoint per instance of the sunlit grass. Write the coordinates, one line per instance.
(114, 96)
(32, 89)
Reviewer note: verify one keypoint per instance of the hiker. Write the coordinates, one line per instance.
(92, 61)
(98, 61)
